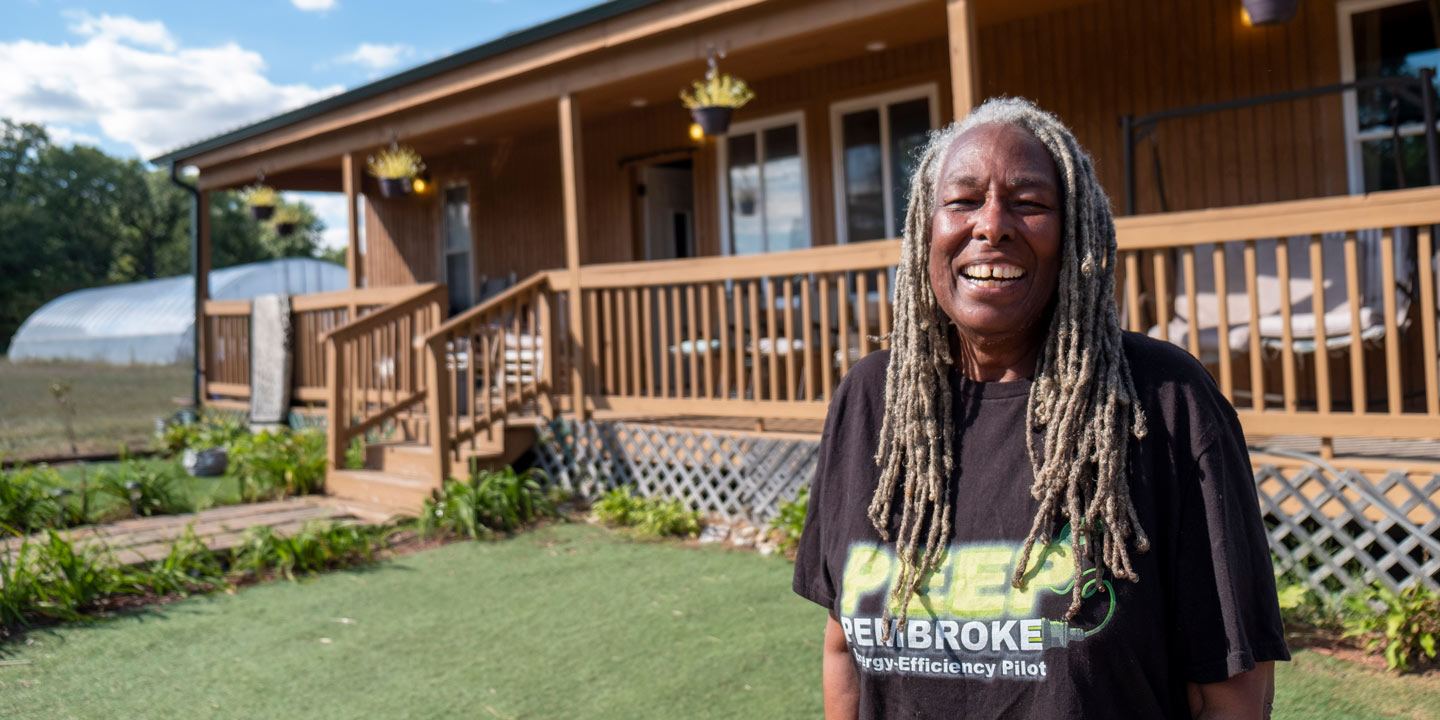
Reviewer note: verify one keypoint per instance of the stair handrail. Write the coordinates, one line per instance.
(443, 438)
(339, 432)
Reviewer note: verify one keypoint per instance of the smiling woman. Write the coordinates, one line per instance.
(1025, 464)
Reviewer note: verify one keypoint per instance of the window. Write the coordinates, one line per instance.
(876, 140)
(765, 206)
(1385, 38)
(459, 272)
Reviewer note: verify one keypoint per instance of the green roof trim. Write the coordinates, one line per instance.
(502, 44)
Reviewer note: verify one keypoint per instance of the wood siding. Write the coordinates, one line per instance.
(1107, 59)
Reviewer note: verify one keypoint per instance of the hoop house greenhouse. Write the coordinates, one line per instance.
(153, 322)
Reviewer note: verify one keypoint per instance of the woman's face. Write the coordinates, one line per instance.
(995, 234)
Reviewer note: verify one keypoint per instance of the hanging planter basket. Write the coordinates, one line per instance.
(262, 212)
(1271, 12)
(396, 187)
(713, 120)
(261, 199)
(285, 229)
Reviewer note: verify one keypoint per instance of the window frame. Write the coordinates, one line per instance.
(1354, 159)
(757, 127)
(878, 102)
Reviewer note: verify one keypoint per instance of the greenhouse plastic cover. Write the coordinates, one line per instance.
(153, 322)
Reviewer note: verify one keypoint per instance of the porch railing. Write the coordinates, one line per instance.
(1317, 317)
(227, 340)
(374, 372)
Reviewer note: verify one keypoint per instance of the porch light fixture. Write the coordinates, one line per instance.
(713, 100)
(697, 133)
(422, 184)
(875, 45)
(396, 167)
(1268, 12)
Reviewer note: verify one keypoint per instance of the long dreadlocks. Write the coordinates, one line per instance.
(1082, 397)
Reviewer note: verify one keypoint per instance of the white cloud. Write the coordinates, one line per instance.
(138, 86)
(61, 135)
(144, 34)
(376, 56)
(314, 5)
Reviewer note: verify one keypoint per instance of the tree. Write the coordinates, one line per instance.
(75, 217)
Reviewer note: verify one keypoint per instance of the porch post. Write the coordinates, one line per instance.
(571, 173)
(203, 339)
(350, 171)
(964, 75)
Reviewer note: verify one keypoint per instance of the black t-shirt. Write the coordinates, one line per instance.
(1204, 608)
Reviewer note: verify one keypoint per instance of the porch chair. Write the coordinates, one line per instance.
(1304, 320)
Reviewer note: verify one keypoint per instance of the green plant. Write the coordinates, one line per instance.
(717, 90)
(279, 463)
(1402, 625)
(647, 517)
(259, 196)
(146, 489)
(286, 214)
(488, 502)
(790, 521)
(28, 503)
(188, 567)
(395, 162)
(67, 580)
(211, 430)
(355, 454)
(316, 547)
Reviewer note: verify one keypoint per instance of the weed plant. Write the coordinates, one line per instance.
(1403, 626)
(275, 464)
(316, 548)
(144, 489)
(790, 522)
(213, 429)
(488, 502)
(647, 517)
(28, 502)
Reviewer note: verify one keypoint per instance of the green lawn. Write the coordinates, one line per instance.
(113, 405)
(566, 622)
(200, 493)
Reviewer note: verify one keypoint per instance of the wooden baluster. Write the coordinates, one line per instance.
(649, 342)
(675, 323)
(1287, 334)
(1192, 304)
(637, 357)
(842, 304)
(1132, 290)
(622, 349)
(1317, 304)
(333, 408)
(862, 310)
(1357, 351)
(1392, 325)
(739, 305)
(772, 330)
(708, 363)
(692, 336)
(481, 328)
(472, 358)
(592, 342)
(722, 306)
(662, 315)
(882, 283)
(789, 338)
(1222, 323)
(757, 387)
(607, 322)
(1257, 367)
(827, 362)
(1163, 301)
(1424, 254)
(807, 367)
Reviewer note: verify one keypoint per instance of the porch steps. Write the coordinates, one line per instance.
(393, 493)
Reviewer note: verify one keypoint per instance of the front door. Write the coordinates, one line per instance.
(667, 209)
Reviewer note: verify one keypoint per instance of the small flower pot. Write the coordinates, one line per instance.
(262, 212)
(713, 120)
(284, 229)
(395, 187)
(1270, 12)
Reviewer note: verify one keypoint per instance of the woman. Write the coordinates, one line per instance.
(1019, 510)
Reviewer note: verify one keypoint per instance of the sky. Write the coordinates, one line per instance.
(137, 79)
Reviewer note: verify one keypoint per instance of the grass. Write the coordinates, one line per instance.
(199, 493)
(113, 405)
(567, 621)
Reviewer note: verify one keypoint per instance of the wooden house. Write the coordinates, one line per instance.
(578, 254)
